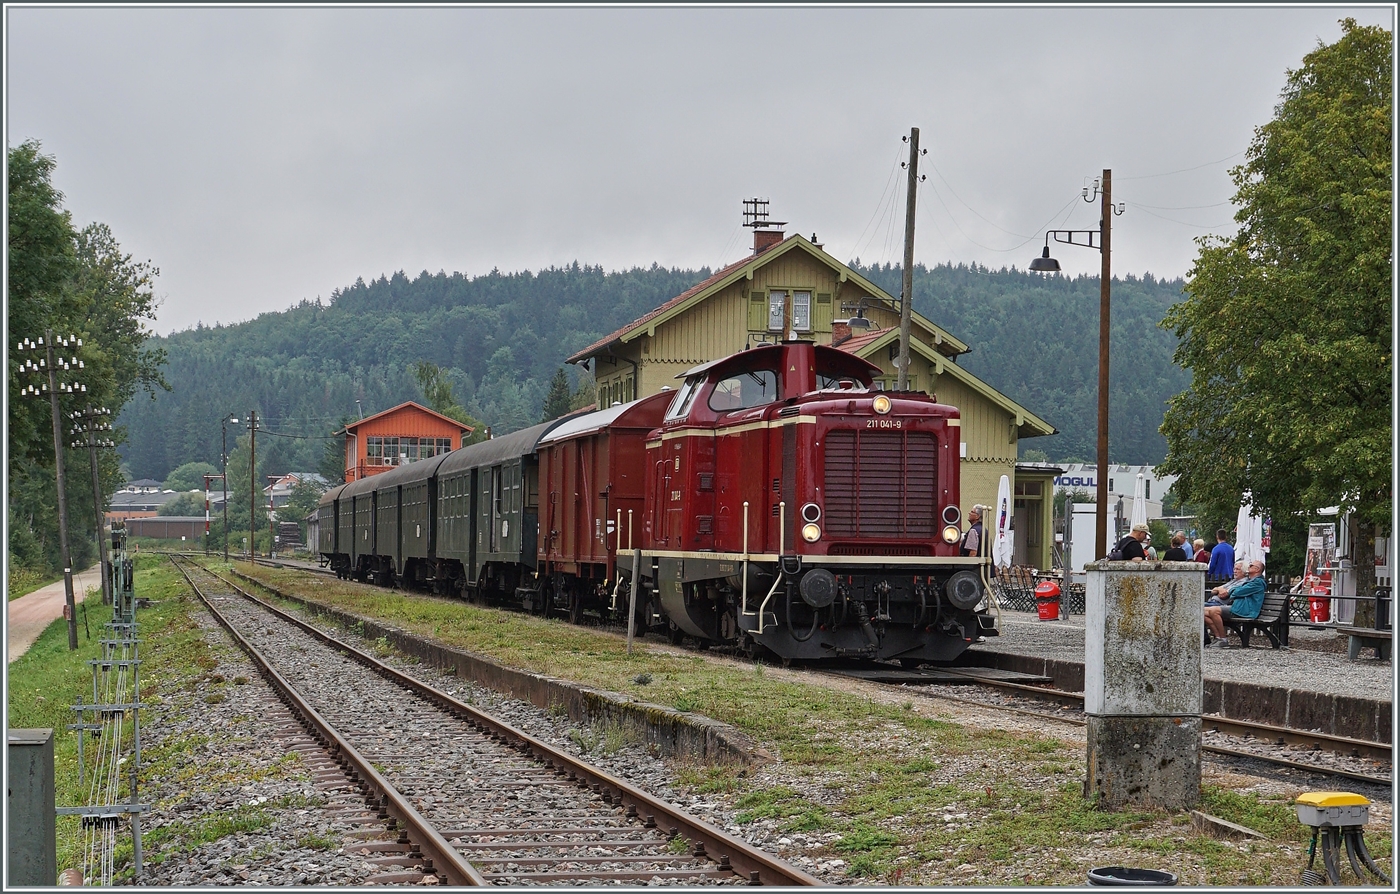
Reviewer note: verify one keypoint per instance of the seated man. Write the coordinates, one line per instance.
(1221, 595)
(1245, 602)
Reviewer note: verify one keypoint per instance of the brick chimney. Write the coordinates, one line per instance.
(840, 332)
(766, 239)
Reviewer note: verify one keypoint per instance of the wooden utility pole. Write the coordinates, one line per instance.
(70, 607)
(906, 303)
(1105, 238)
(253, 486)
(91, 427)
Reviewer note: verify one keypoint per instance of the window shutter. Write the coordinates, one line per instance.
(821, 313)
(758, 311)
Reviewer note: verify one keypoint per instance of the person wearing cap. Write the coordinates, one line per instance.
(1245, 602)
(972, 540)
(1131, 546)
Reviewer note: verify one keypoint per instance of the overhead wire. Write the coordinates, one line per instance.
(1183, 170)
(894, 167)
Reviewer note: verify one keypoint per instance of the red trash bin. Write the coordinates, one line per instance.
(1047, 600)
(1319, 609)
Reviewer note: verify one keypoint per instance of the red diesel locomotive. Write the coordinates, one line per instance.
(774, 502)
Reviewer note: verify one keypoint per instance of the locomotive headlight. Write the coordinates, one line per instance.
(811, 533)
(951, 534)
(881, 404)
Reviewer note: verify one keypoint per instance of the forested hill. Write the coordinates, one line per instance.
(501, 336)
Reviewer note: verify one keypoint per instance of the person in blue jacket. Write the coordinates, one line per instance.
(1222, 558)
(1245, 602)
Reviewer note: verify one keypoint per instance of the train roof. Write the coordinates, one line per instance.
(769, 356)
(515, 444)
(423, 468)
(622, 414)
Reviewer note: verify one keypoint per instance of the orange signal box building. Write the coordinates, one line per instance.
(397, 436)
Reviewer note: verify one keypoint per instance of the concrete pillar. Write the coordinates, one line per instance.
(31, 858)
(1143, 631)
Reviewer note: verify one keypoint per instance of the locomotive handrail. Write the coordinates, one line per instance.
(782, 528)
(744, 602)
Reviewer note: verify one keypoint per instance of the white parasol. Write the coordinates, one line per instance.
(1002, 546)
(1249, 534)
(1139, 501)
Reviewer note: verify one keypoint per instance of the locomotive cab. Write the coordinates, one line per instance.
(793, 508)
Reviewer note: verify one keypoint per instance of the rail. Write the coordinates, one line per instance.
(727, 850)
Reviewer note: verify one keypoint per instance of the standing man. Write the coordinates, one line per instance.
(972, 540)
(1222, 558)
(1178, 551)
(1131, 547)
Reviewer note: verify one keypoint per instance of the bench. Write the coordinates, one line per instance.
(1359, 638)
(1272, 621)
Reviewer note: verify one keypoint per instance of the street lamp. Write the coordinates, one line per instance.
(223, 461)
(1047, 264)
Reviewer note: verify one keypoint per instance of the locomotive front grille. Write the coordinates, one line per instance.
(880, 484)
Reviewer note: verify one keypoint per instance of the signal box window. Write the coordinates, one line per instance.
(802, 311)
(744, 390)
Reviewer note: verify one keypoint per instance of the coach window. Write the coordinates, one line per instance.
(743, 390)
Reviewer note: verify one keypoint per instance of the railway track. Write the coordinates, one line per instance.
(1234, 738)
(1239, 739)
(475, 800)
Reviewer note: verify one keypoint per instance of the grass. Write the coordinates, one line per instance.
(178, 669)
(23, 581)
(913, 821)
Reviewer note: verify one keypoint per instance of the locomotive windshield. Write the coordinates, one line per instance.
(680, 404)
(740, 391)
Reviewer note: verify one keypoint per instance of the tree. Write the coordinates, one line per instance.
(190, 476)
(437, 393)
(301, 502)
(1286, 327)
(79, 284)
(557, 401)
(185, 505)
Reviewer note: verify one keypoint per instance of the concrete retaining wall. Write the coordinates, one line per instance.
(672, 733)
(1339, 715)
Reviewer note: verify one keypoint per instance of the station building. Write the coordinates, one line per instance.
(789, 285)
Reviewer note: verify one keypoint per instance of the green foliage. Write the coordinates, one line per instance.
(79, 284)
(1287, 326)
(190, 476)
(185, 505)
(557, 401)
(1035, 338)
(301, 502)
(437, 393)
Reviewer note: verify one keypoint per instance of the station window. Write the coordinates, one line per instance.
(802, 311)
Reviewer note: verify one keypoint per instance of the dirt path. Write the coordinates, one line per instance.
(30, 614)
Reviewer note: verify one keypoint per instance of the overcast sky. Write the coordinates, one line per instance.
(259, 156)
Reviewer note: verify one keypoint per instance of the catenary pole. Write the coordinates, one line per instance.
(1105, 225)
(58, 442)
(906, 304)
(253, 486)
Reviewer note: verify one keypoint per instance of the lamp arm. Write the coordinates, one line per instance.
(1068, 237)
